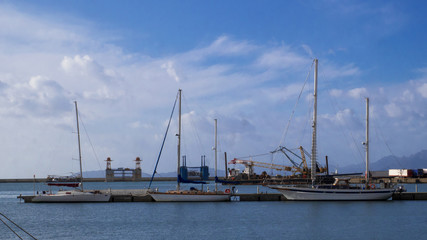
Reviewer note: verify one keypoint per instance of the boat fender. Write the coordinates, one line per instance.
(336, 181)
(227, 190)
(372, 186)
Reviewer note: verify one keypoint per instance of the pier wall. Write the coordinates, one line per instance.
(140, 195)
(354, 180)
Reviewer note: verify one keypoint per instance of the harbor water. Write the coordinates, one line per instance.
(222, 220)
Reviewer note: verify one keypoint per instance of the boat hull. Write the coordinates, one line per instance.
(71, 197)
(189, 197)
(317, 194)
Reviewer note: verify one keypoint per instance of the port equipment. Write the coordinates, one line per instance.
(298, 166)
(301, 167)
(249, 164)
(123, 173)
(194, 174)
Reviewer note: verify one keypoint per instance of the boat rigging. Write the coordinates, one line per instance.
(335, 191)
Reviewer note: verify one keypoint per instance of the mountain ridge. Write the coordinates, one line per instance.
(414, 161)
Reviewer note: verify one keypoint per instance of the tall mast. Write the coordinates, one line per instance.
(367, 142)
(314, 137)
(179, 138)
(216, 154)
(80, 151)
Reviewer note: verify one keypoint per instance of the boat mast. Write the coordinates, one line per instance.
(314, 137)
(80, 151)
(367, 143)
(179, 139)
(216, 154)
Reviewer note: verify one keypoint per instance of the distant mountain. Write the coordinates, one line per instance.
(414, 161)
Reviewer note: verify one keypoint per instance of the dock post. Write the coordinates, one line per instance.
(226, 167)
(34, 184)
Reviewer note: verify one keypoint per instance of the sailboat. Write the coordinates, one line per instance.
(335, 191)
(192, 195)
(75, 195)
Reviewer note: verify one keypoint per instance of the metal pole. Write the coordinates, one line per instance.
(179, 139)
(80, 151)
(226, 167)
(327, 165)
(367, 142)
(216, 153)
(314, 137)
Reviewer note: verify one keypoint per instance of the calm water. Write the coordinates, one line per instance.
(227, 220)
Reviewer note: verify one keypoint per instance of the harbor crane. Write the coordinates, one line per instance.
(296, 168)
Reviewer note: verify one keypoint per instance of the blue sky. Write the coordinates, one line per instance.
(243, 62)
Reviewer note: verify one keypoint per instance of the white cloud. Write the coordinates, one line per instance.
(136, 124)
(35, 32)
(284, 93)
(282, 58)
(78, 63)
(40, 96)
(102, 93)
(423, 90)
(358, 93)
(393, 110)
(343, 117)
(87, 67)
(336, 92)
(169, 66)
(307, 49)
(223, 46)
(332, 71)
(407, 96)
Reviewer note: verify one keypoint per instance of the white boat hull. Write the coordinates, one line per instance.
(189, 197)
(318, 194)
(71, 196)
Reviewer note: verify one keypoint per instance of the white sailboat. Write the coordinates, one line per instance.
(336, 191)
(75, 195)
(192, 195)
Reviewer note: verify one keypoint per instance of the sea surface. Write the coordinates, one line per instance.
(224, 220)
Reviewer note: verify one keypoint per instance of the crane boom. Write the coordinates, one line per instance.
(261, 164)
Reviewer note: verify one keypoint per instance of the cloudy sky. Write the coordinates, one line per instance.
(244, 63)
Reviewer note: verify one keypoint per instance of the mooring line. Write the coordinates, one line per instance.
(16, 226)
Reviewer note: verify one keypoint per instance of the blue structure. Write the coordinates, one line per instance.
(196, 175)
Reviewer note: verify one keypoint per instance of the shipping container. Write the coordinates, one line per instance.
(379, 174)
(400, 173)
(414, 173)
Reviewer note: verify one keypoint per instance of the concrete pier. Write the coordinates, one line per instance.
(410, 196)
(236, 197)
(140, 195)
(258, 197)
